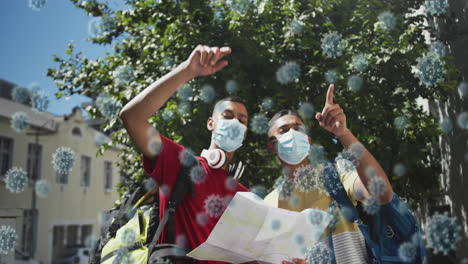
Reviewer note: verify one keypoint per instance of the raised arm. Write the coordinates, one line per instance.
(333, 119)
(135, 114)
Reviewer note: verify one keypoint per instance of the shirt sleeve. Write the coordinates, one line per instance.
(348, 178)
(166, 166)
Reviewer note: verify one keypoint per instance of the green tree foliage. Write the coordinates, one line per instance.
(154, 36)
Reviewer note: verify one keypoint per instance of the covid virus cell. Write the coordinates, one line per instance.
(344, 166)
(331, 76)
(399, 169)
(296, 26)
(268, 103)
(232, 86)
(442, 233)
(353, 154)
(429, 70)
(463, 89)
(462, 120)
(20, 122)
(185, 92)
(332, 44)
(307, 110)
(317, 154)
(184, 108)
(286, 188)
(401, 122)
(123, 75)
(315, 217)
(318, 254)
(20, 94)
(100, 26)
(355, 82)
(42, 188)
(239, 6)
(438, 48)
(40, 100)
(201, 219)
(371, 206)
(436, 7)
(259, 124)
(123, 257)
(63, 160)
(407, 251)
(331, 178)
(198, 174)
(108, 105)
(8, 239)
(275, 224)
(127, 236)
(308, 178)
(16, 180)
(259, 190)
(299, 239)
(168, 115)
(387, 20)
(377, 186)
(445, 125)
(214, 205)
(360, 62)
(36, 5)
(288, 73)
(207, 93)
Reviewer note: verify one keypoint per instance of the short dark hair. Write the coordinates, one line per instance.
(233, 98)
(281, 113)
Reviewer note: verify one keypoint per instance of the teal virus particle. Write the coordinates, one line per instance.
(331, 76)
(286, 188)
(207, 93)
(407, 251)
(42, 188)
(20, 94)
(123, 75)
(123, 257)
(100, 138)
(462, 120)
(307, 110)
(198, 174)
(442, 233)
(438, 48)
(259, 190)
(332, 44)
(214, 205)
(231, 184)
(63, 160)
(294, 201)
(101, 26)
(308, 178)
(436, 7)
(8, 239)
(288, 73)
(36, 5)
(127, 236)
(20, 122)
(355, 82)
(299, 239)
(275, 224)
(401, 122)
(40, 100)
(185, 92)
(168, 115)
(184, 108)
(268, 103)
(333, 186)
(296, 26)
(360, 62)
(371, 206)
(232, 86)
(429, 70)
(319, 254)
(463, 89)
(399, 169)
(377, 186)
(108, 105)
(16, 180)
(387, 20)
(201, 219)
(315, 217)
(445, 125)
(239, 6)
(317, 154)
(344, 166)
(259, 124)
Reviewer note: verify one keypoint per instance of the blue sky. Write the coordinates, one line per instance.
(29, 39)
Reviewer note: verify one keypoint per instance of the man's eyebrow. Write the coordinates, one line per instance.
(228, 111)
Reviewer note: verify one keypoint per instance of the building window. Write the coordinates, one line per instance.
(34, 162)
(61, 178)
(73, 235)
(6, 154)
(85, 171)
(76, 132)
(86, 232)
(107, 176)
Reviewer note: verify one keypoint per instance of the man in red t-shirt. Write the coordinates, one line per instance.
(196, 216)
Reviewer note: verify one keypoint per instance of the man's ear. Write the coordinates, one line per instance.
(273, 146)
(210, 124)
(310, 141)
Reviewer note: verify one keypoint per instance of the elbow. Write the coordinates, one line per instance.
(387, 197)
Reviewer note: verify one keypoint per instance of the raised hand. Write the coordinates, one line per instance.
(204, 60)
(332, 117)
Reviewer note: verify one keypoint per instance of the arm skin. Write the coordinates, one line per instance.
(135, 114)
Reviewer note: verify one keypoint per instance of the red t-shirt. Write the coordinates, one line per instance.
(194, 217)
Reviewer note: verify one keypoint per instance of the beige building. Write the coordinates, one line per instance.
(69, 213)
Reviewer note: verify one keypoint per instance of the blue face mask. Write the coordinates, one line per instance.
(293, 146)
(229, 134)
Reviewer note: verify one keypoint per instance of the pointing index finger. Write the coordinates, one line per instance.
(330, 94)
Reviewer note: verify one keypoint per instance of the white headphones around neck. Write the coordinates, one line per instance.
(215, 157)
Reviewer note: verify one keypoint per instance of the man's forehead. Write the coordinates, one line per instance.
(287, 120)
(232, 107)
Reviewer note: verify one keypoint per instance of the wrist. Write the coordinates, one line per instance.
(344, 134)
(185, 70)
